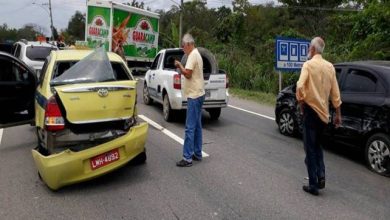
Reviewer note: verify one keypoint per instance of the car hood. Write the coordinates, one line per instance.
(289, 89)
(97, 102)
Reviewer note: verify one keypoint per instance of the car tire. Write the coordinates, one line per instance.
(146, 97)
(377, 154)
(214, 113)
(40, 137)
(287, 123)
(167, 110)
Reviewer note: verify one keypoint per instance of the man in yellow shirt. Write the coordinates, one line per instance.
(194, 92)
(317, 85)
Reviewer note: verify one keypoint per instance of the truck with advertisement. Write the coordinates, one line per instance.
(128, 31)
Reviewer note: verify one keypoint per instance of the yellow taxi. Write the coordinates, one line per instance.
(84, 110)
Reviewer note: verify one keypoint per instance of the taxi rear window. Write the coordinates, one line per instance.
(96, 67)
(120, 72)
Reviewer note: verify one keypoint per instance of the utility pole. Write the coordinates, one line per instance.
(51, 21)
(181, 22)
(50, 15)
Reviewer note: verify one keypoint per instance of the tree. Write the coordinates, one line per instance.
(224, 28)
(76, 27)
(55, 33)
(30, 32)
(370, 35)
(199, 21)
(239, 6)
(312, 15)
(7, 34)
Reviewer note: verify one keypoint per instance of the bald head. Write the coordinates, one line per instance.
(318, 44)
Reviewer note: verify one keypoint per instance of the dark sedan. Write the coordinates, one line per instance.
(365, 93)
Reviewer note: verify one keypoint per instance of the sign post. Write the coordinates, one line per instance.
(290, 55)
(280, 80)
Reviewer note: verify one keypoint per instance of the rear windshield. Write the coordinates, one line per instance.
(38, 53)
(119, 71)
(96, 67)
(170, 57)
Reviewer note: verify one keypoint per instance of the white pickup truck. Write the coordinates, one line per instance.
(163, 83)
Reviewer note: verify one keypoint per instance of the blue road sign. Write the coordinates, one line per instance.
(291, 53)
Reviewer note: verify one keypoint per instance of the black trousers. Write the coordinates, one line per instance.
(312, 133)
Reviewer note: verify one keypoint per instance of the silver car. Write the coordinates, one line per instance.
(33, 53)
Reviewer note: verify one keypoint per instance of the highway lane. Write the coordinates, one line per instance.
(252, 172)
(245, 148)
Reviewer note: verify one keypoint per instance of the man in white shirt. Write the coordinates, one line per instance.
(194, 92)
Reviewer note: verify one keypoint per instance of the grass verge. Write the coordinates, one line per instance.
(260, 97)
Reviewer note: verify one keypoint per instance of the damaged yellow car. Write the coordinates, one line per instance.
(85, 115)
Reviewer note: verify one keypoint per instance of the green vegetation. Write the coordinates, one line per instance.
(261, 97)
(243, 36)
(243, 39)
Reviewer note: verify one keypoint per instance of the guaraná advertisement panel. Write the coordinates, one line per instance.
(98, 27)
(134, 35)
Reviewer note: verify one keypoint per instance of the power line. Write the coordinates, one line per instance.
(321, 8)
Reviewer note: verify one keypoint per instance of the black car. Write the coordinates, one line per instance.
(365, 111)
(16, 80)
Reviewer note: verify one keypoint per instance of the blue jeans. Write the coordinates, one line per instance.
(312, 133)
(193, 131)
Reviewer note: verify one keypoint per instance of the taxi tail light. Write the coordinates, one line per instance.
(177, 81)
(53, 117)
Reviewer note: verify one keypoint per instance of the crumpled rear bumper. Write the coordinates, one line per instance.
(69, 167)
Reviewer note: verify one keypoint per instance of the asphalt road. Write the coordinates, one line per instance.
(252, 172)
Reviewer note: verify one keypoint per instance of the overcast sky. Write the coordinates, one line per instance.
(17, 13)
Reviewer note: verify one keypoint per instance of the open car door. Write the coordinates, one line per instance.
(17, 91)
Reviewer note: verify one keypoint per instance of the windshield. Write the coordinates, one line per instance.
(96, 67)
(38, 53)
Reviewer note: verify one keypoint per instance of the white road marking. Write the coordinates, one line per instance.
(167, 132)
(1, 135)
(241, 109)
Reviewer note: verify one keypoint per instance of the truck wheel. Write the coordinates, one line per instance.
(167, 110)
(377, 154)
(214, 113)
(146, 97)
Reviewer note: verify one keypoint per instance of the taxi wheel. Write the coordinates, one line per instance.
(139, 159)
(167, 110)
